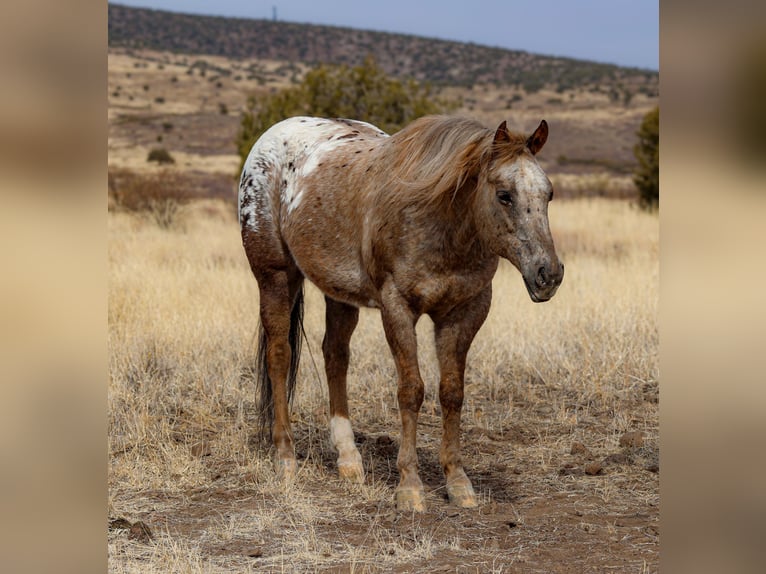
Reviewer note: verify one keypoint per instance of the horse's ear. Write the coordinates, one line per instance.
(537, 140)
(502, 135)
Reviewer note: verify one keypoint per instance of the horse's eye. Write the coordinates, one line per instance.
(504, 196)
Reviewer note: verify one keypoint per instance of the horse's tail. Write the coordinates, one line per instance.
(265, 402)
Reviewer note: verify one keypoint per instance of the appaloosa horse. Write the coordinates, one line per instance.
(410, 224)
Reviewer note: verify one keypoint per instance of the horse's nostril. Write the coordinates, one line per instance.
(542, 278)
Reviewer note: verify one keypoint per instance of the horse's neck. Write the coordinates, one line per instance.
(453, 231)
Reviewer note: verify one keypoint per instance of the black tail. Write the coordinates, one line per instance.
(265, 401)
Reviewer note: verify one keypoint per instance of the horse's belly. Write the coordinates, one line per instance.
(343, 284)
(336, 272)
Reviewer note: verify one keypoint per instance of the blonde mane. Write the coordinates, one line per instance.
(435, 156)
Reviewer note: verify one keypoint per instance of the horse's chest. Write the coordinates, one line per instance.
(437, 291)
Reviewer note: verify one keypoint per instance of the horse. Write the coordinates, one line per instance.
(413, 223)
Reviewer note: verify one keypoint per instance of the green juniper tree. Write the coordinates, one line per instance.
(361, 92)
(647, 152)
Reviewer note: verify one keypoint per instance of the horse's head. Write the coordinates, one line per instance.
(515, 193)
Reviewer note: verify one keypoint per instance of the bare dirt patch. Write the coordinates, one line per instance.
(532, 518)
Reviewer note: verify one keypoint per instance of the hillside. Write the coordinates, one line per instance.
(440, 62)
(181, 82)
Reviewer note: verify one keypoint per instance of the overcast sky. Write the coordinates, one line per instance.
(624, 32)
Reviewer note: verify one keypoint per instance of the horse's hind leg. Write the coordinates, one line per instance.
(278, 292)
(341, 320)
(454, 333)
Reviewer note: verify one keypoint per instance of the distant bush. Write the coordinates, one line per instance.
(160, 155)
(362, 92)
(647, 152)
(158, 195)
(532, 84)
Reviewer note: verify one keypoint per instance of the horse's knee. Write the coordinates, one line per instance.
(410, 394)
(451, 395)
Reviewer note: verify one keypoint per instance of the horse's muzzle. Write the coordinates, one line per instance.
(545, 282)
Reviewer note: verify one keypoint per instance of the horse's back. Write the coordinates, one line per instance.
(288, 153)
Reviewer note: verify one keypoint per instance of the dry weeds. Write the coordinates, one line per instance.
(580, 368)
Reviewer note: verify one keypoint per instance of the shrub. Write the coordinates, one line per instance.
(362, 92)
(159, 195)
(160, 155)
(647, 152)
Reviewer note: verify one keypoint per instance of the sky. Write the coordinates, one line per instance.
(623, 32)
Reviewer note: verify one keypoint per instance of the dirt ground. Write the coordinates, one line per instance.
(591, 507)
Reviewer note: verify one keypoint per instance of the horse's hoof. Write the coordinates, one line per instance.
(462, 495)
(286, 469)
(351, 471)
(409, 499)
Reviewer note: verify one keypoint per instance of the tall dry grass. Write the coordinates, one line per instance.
(182, 319)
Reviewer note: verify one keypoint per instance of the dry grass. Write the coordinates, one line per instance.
(595, 184)
(583, 367)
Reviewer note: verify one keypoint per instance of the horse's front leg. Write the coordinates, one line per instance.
(399, 326)
(454, 333)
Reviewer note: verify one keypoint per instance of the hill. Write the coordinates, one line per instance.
(181, 83)
(440, 62)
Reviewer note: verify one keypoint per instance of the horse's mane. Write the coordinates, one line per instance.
(435, 156)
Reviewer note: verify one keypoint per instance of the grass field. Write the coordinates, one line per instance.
(551, 392)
